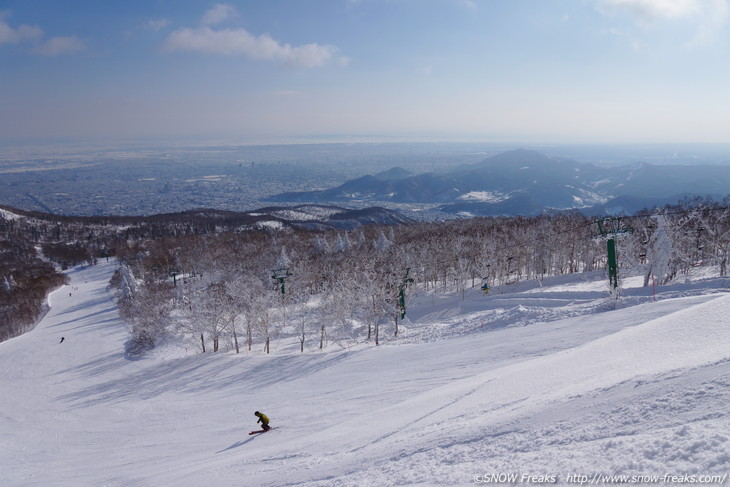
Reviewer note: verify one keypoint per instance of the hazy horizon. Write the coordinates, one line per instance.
(512, 72)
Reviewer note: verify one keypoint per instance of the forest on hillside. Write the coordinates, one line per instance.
(229, 287)
(232, 291)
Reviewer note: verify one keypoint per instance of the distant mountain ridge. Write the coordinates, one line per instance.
(309, 216)
(526, 182)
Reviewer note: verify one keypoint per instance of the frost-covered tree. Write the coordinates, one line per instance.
(218, 312)
(193, 312)
(659, 251)
(8, 283)
(346, 284)
(128, 283)
(261, 313)
(321, 246)
(376, 297)
(148, 312)
(346, 242)
(716, 226)
(283, 262)
(382, 243)
(336, 306)
(342, 243)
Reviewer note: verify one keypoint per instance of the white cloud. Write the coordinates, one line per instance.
(218, 14)
(56, 46)
(34, 34)
(208, 40)
(709, 16)
(240, 41)
(15, 35)
(714, 18)
(650, 10)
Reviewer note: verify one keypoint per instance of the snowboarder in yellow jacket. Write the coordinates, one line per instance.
(264, 420)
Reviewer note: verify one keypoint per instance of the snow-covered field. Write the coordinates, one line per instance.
(531, 384)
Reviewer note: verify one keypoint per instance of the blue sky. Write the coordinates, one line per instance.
(605, 71)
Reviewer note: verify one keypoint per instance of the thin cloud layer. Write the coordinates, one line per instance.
(712, 11)
(33, 34)
(15, 35)
(219, 14)
(240, 41)
(650, 10)
(226, 41)
(709, 16)
(55, 46)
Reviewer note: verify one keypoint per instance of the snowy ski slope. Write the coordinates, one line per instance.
(526, 386)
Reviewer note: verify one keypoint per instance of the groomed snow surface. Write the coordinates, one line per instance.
(528, 385)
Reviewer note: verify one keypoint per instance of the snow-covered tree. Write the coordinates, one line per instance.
(262, 320)
(283, 262)
(659, 251)
(716, 232)
(218, 312)
(382, 243)
(148, 313)
(361, 241)
(8, 283)
(128, 283)
(342, 243)
(321, 246)
(351, 282)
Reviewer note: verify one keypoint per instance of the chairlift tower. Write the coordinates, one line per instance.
(281, 275)
(402, 293)
(610, 229)
(173, 272)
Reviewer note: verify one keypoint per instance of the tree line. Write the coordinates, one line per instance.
(215, 281)
(25, 280)
(233, 291)
(36, 246)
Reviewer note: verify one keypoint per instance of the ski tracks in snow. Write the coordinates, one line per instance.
(558, 410)
(641, 390)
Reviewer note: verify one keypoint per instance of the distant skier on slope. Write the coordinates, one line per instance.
(264, 420)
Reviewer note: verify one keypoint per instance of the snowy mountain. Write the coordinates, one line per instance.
(526, 182)
(536, 382)
(319, 217)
